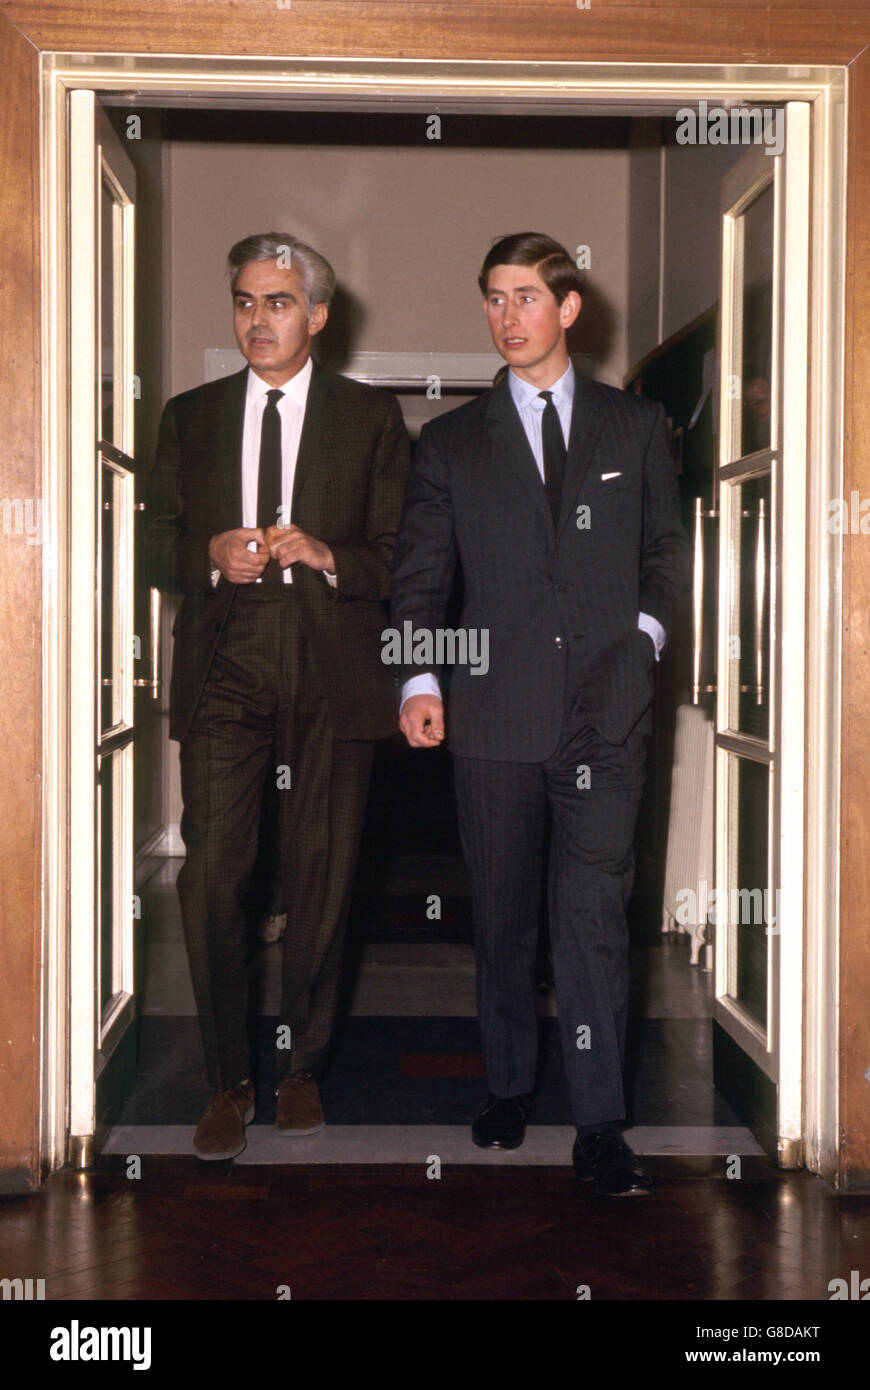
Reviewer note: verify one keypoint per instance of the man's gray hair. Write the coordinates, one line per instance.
(315, 272)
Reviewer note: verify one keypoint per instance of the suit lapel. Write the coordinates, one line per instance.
(587, 423)
(229, 431)
(509, 442)
(312, 443)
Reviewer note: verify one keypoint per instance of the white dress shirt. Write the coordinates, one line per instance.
(530, 408)
(291, 409)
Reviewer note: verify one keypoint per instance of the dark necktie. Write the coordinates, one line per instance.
(269, 478)
(553, 441)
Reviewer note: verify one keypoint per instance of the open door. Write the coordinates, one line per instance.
(103, 645)
(760, 498)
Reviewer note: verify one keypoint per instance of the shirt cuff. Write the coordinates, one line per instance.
(215, 576)
(653, 628)
(427, 684)
(331, 579)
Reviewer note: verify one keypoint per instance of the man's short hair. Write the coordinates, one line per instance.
(549, 257)
(315, 272)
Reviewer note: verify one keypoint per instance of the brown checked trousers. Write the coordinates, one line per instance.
(263, 715)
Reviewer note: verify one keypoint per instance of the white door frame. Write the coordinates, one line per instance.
(784, 460)
(97, 158)
(505, 87)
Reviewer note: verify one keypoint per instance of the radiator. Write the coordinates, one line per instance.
(689, 863)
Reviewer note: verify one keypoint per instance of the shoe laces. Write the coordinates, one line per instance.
(298, 1078)
(237, 1094)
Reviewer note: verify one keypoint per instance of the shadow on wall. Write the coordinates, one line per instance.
(343, 329)
(591, 335)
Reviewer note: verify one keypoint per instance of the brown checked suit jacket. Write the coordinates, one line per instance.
(350, 478)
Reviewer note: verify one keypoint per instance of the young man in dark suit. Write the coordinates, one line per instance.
(559, 499)
(273, 507)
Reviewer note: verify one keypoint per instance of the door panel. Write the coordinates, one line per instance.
(102, 488)
(759, 731)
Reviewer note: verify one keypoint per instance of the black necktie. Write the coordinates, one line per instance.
(269, 478)
(553, 441)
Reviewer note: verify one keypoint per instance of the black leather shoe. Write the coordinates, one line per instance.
(501, 1123)
(617, 1171)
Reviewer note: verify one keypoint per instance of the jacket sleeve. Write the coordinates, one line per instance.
(426, 551)
(176, 559)
(363, 566)
(665, 551)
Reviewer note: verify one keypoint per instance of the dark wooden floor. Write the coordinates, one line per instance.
(184, 1231)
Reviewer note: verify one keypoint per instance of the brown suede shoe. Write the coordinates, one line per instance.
(299, 1111)
(221, 1131)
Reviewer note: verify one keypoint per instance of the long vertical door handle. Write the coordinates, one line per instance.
(698, 573)
(760, 585)
(155, 607)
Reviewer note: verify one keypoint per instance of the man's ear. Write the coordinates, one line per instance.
(317, 318)
(569, 308)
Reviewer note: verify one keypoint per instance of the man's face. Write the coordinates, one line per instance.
(272, 325)
(527, 325)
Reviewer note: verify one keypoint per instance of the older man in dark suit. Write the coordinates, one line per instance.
(558, 496)
(273, 507)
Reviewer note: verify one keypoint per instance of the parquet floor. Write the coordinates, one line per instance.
(183, 1231)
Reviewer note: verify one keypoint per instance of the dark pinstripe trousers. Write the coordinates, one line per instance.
(263, 715)
(502, 810)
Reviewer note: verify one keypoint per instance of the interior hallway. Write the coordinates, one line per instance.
(406, 1078)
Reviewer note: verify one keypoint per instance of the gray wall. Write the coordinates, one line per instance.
(671, 284)
(406, 229)
(693, 176)
(407, 226)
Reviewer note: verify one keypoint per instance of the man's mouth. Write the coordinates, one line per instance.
(513, 342)
(260, 342)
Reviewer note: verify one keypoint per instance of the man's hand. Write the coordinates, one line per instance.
(289, 546)
(228, 552)
(422, 721)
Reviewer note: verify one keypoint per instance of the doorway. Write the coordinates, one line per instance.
(469, 377)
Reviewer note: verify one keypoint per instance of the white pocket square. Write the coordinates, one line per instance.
(605, 477)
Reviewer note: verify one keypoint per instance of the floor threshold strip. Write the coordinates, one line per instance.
(545, 1145)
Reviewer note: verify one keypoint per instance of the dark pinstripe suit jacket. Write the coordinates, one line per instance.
(560, 603)
(350, 477)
